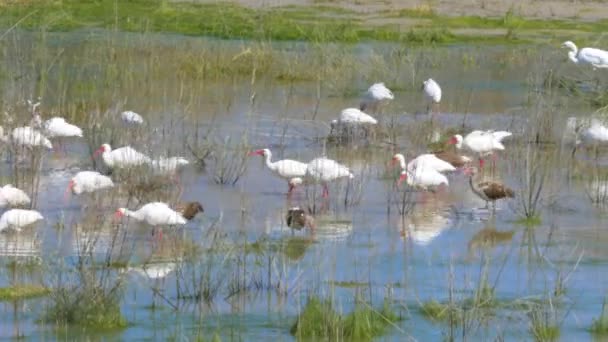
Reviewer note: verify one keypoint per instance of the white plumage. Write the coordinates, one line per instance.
(291, 170)
(323, 170)
(18, 219)
(88, 182)
(432, 90)
(481, 142)
(595, 57)
(169, 165)
(355, 116)
(594, 134)
(424, 178)
(124, 157)
(430, 160)
(375, 95)
(57, 127)
(13, 197)
(26, 137)
(155, 270)
(154, 214)
(131, 118)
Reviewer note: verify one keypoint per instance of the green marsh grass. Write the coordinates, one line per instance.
(22, 291)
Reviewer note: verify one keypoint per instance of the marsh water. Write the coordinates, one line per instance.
(261, 272)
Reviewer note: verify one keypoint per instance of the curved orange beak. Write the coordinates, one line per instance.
(256, 153)
(453, 141)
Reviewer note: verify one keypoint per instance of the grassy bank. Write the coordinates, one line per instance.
(313, 23)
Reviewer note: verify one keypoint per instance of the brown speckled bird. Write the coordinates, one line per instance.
(189, 209)
(488, 191)
(297, 219)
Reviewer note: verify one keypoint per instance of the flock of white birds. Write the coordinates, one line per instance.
(424, 172)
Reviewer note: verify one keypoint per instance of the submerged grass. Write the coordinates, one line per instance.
(319, 320)
(600, 325)
(22, 292)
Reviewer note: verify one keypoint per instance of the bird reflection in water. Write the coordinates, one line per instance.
(488, 238)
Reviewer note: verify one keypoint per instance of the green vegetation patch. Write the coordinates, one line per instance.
(319, 320)
(92, 307)
(222, 20)
(22, 292)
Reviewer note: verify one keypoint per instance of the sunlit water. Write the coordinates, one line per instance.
(408, 261)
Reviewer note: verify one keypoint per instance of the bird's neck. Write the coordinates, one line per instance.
(474, 188)
(269, 163)
(458, 144)
(573, 55)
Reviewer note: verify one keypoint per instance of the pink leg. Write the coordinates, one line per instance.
(290, 191)
(325, 191)
(481, 162)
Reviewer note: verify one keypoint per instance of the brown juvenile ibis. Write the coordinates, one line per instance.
(455, 159)
(297, 219)
(488, 191)
(189, 209)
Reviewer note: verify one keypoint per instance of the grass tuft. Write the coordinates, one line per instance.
(22, 292)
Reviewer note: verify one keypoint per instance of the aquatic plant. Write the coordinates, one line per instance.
(599, 326)
(318, 320)
(22, 291)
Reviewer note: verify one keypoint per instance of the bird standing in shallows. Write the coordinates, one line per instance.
(56, 127)
(488, 191)
(595, 57)
(593, 135)
(350, 120)
(88, 182)
(481, 142)
(131, 118)
(13, 197)
(124, 157)
(154, 214)
(432, 92)
(375, 96)
(287, 169)
(25, 137)
(323, 170)
(422, 176)
(17, 219)
(297, 219)
(189, 210)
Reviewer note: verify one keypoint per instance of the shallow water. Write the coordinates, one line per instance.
(409, 260)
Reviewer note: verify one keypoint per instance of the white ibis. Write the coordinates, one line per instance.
(286, 168)
(17, 219)
(428, 160)
(323, 170)
(168, 166)
(189, 210)
(297, 219)
(351, 119)
(377, 94)
(57, 127)
(154, 214)
(26, 137)
(13, 197)
(124, 157)
(131, 118)
(154, 271)
(432, 92)
(595, 57)
(420, 175)
(488, 191)
(481, 142)
(89, 182)
(423, 178)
